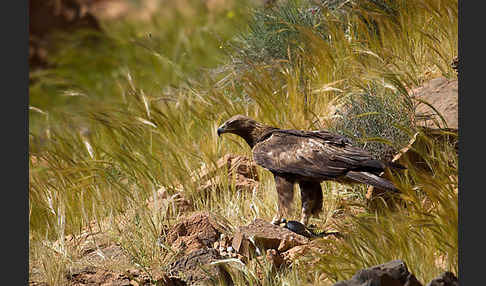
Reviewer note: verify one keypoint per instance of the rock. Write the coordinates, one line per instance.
(443, 95)
(264, 235)
(445, 279)
(455, 64)
(96, 247)
(98, 276)
(293, 254)
(274, 257)
(187, 244)
(171, 281)
(200, 230)
(46, 17)
(393, 273)
(241, 170)
(287, 243)
(195, 269)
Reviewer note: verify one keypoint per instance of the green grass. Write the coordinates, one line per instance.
(152, 106)
(178, 43)
(377, 120)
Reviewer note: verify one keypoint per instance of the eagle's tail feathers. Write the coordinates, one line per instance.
(379, 165)
(395, 165)
(371, 179)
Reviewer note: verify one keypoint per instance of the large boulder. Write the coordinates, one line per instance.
(445, 279)
(393, 273)
(195, 268)
(263, 235)
(443, 95)
(101, 276)
(195, 232)
(192, 239)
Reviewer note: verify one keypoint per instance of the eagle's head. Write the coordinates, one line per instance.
(243, 126)
(237, 124)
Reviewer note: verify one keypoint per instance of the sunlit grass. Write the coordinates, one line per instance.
(144, 126)
(422, 231)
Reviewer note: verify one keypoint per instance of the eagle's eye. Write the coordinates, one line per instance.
(231, 123)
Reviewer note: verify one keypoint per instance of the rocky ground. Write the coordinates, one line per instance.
(200, 239)
(196, 240)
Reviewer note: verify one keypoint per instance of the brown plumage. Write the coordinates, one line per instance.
(307, 158)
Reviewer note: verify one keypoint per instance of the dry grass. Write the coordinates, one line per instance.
(143, 140)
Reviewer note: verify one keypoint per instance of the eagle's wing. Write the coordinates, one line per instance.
(314, 154)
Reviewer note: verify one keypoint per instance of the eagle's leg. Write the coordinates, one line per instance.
(311, 197)
(285, 192)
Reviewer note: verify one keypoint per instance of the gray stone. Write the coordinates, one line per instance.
(195, 268)
(393, 273)
(445, 279)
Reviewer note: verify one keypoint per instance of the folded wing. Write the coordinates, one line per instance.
(313, 154)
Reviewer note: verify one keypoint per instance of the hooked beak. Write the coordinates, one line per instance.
(220, 131)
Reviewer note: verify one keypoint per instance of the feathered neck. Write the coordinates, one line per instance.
(252, 132)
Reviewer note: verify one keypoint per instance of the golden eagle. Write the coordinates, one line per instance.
(307, 158)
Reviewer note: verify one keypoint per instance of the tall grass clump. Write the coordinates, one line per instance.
(422, 232)
(378, 120)
(368, 72)
(273, 32)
